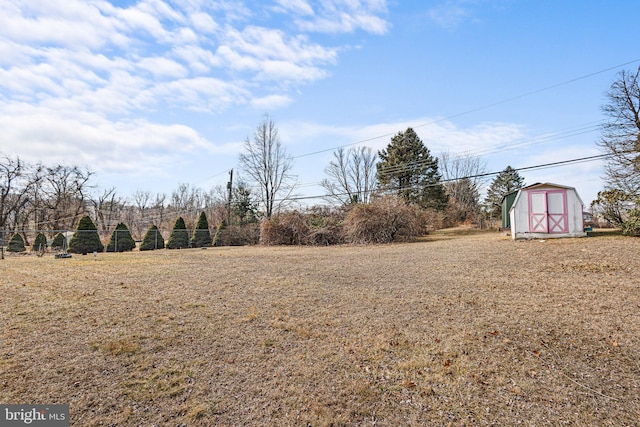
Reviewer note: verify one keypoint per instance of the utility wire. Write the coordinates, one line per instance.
(474, 110)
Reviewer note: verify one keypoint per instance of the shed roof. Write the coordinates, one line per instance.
(544, 185)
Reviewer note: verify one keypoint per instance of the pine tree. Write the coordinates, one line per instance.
(39, 243)
(201, 236)
(179, 237)
(16, 244)
(152, 239)
(507, 181)
(86, 238)
(408, 169)
(121, 239)
(59, 241)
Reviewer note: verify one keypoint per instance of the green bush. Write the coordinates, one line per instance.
(39, 243)
(16, 244)
(59, 241)
(121, 239)
(152, 239)
(179, 237)
(86, 238)
(201, 236)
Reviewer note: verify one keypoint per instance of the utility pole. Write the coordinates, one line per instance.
(229, 188)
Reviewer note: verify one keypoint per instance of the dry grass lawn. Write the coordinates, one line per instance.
(457, 329)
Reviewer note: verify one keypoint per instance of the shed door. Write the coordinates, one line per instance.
(548, 211)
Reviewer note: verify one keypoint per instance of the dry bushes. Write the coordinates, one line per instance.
(385, 220)
(287, 229)
(238, 235)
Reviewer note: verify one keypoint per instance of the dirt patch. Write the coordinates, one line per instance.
(471, 329)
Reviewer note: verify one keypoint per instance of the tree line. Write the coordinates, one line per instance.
(40, 197)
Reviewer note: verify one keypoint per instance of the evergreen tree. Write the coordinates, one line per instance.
(507, 181)
(201, 236)
(408, 169)
(39, 243)
(86, 238)
(16, 243)
(152, 239)
(244, 207)
(179, 237)
(59, 241)
(121, 239)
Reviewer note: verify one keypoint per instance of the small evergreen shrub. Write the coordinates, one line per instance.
(59, 241)
(121, 239)
(201, 235)
(86, 238)
(179, 237)
(16, 243)
(40, 242)
(152, 239)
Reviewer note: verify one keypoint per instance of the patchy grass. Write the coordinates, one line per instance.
(461, 328)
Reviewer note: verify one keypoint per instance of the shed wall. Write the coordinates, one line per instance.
(520, 218)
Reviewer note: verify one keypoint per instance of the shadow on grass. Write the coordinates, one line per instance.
(604, 232)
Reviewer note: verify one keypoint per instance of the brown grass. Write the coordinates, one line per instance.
(471, 329)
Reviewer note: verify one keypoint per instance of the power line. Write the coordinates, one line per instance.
(474, 110)
(481, 175)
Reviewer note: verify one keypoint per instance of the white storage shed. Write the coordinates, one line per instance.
(544, 211)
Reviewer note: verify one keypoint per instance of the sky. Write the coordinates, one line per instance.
(151, 94)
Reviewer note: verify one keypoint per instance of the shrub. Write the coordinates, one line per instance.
(387, 219)
(287, 229)
(201, 235)
(631, 225)
(152, 239)
(238, 235)
(326, 227)
(16, 244)
(86, 238)
(39, 243)
(179, 237)
(59, 241)
(121, 239)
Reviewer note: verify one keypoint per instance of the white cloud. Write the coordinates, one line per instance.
(335, 16)
(271, 102)
(91, 140)
(300, 7)
(163, 67)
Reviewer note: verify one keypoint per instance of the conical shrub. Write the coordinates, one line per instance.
(40, 242)
(152, 239)
(121, 239)
(201, 235)
(86, 238)
(59, 241)
(179, 237)
(16, 244)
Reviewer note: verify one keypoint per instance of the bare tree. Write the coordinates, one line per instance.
(14, 189)
(141, 199)
(65, 195)
(352, 175)
(621, 134)
(108, 210)
(463, 181)
(267, 163)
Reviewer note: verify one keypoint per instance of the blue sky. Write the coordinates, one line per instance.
(153, 93)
